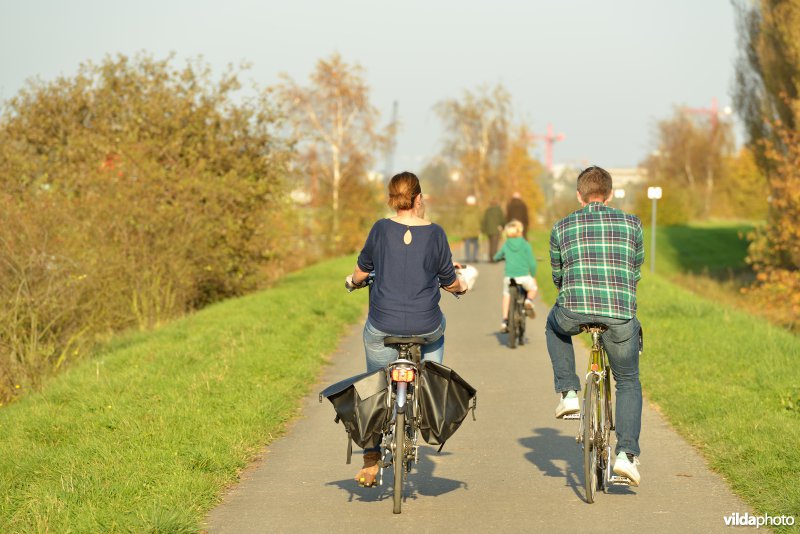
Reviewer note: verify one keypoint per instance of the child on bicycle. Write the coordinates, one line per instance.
(520, 265)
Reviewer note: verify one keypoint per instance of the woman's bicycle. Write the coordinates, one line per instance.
(401, 431)
(597, 420)
(516, 315)
(399, 447)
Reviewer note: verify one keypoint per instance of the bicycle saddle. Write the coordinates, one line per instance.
(588, 327)
(403, 340)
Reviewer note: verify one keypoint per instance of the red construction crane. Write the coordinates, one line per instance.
(549, 140)
(712, 112)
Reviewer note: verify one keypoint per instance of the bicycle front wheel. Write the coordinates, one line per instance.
(397, 459)
(591, 431)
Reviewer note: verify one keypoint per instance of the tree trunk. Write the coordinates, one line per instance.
(709, 192)
(337, 178)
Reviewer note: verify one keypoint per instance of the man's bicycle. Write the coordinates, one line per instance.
(516, 315)
(597, 420)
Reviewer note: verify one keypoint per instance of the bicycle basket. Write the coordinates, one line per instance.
(361, 404)
(444, 400)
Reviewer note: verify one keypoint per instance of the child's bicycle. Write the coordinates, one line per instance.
(597, 420)
(516, 315)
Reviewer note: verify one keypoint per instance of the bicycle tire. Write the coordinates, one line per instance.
(590, 431)
(512, 324)
(398, 457)
(609, 412)
(521, 318)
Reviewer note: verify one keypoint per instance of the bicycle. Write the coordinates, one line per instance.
(597, 420)
(402, 430)
(516, 315)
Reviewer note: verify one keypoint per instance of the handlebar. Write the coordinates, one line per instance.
(350, 286)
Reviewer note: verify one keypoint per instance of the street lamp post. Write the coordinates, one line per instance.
(653, 193)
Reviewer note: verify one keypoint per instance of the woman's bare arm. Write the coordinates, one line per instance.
(359, 276)
(459, 286)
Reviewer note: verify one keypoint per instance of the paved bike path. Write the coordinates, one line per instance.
(515, 469)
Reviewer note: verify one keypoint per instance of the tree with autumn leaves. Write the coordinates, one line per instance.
(768, 98)
(337, 134)
(703, 175)
(486, 153)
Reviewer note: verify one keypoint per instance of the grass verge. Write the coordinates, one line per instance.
(142, 437)
(727, 381)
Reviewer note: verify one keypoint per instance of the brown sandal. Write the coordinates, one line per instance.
(368, 475)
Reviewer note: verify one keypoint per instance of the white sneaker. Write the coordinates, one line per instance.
(625, 468)
(568, 405)
(529, 308)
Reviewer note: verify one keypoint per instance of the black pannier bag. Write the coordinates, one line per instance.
(444, 400)
(362, 405)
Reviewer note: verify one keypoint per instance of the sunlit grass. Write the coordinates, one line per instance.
(143, 437)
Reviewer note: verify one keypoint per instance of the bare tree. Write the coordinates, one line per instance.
(335, 122)
(477, 130)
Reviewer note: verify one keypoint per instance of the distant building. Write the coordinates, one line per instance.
(561, 183)
(559, 188)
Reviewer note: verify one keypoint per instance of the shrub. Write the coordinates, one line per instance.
(133, 192)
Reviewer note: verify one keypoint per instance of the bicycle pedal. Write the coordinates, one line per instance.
(619, 481)
(576, 415)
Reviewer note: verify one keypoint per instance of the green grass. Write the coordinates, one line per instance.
(721, 376)
(717, 250)
(143, 437)
(724, 378)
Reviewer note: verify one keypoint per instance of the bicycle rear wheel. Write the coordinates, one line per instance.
(512, 323)
(398, 457)
(591, 431)
(521, 318)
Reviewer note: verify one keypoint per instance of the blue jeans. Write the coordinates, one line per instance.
(470, 249)
(621, 342)
(379, 356)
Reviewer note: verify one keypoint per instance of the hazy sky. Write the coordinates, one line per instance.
(603, 72)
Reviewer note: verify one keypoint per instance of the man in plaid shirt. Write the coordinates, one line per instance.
(596, 254)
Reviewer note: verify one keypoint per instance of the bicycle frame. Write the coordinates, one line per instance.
(598, 372)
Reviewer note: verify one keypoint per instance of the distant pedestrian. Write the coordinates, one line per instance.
(516, 209)
(492, 226)
(470, 219)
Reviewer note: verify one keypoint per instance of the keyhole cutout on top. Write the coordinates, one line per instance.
(407, 236)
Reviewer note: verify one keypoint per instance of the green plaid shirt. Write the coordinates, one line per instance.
(596, 254)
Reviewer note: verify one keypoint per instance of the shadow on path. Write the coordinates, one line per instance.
(420, 481)
(548, 447)
(502, 339)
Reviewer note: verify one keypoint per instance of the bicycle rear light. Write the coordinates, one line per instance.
(402, 375)
(595, 367)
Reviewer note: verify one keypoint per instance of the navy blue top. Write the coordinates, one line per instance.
(404, 299)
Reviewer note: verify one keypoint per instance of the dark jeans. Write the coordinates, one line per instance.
(470, 249)
(494, 241)
(621, 342)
